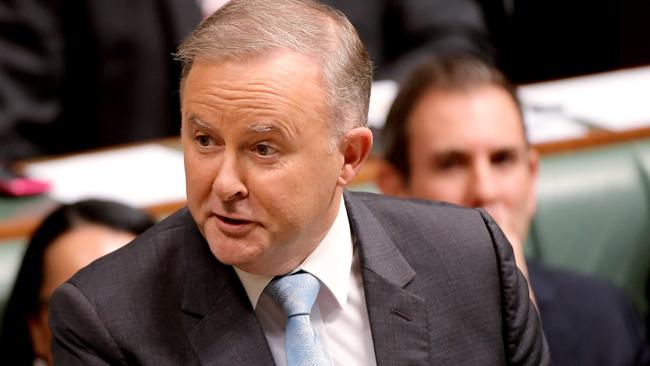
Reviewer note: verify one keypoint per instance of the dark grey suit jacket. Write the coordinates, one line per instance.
(440, 282)
(81, 74)
(400, 34)
(587, 321)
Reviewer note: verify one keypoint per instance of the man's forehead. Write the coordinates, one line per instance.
(472, 151)
(485, 115)
(466, 140)
(276, 75)
(271, 58)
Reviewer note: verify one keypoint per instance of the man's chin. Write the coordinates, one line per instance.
(239, 252)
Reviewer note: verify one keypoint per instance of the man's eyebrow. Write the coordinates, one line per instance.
(511, 148)
(263, 127)
(193, 119)
(447, 153)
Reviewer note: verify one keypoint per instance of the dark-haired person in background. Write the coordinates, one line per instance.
(455, 133)
(68, 239)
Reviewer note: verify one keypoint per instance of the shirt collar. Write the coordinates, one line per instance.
(330, 262)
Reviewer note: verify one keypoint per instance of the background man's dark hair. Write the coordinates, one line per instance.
(452, 73)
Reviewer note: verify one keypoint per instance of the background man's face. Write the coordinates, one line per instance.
(468, 148)
(260, 169)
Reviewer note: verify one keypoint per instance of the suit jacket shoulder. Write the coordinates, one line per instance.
(163, 299)
(460, 267)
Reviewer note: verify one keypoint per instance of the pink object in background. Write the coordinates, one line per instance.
(23, 187)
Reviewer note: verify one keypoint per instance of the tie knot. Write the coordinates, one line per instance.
(295, 293)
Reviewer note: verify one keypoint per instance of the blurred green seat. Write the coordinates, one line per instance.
(593, 215)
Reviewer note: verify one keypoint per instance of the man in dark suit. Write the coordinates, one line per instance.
(399, 34)
(77, 75)
(455, 133)
(274, 99)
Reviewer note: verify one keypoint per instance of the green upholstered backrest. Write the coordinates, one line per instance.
(593, 215)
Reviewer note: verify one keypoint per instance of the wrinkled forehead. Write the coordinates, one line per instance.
(253, 59)
(283, 87)
(283, 75)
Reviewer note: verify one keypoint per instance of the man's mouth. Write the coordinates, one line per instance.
(232, 221)
(233, 226)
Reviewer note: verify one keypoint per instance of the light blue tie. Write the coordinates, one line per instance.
(296, 295)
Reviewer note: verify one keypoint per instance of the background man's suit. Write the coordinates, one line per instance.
(440, 283)
(82, 74)
(399, 34)
(587, 321)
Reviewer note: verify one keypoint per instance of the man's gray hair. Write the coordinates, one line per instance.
(246, 28)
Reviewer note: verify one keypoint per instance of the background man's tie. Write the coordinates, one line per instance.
(296, 295)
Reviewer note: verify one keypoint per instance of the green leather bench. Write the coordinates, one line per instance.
(593, 215)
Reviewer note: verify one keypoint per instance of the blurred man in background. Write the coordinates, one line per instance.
(455, 133)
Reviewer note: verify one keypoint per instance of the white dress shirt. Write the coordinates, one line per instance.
(339, 316)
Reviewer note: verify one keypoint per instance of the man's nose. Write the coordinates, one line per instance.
(483, 185)
(229, 184)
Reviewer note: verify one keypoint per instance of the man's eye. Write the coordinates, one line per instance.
(264, 150)
(504, 158)
(203, 140)
(449, 162)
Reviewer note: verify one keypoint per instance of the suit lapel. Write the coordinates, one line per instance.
(221, 324)
(398, 318)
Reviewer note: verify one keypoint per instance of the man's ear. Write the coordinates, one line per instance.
(389, 180)
(355, 146)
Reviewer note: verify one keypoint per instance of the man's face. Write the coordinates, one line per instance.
(261, 165)
(468, 148)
